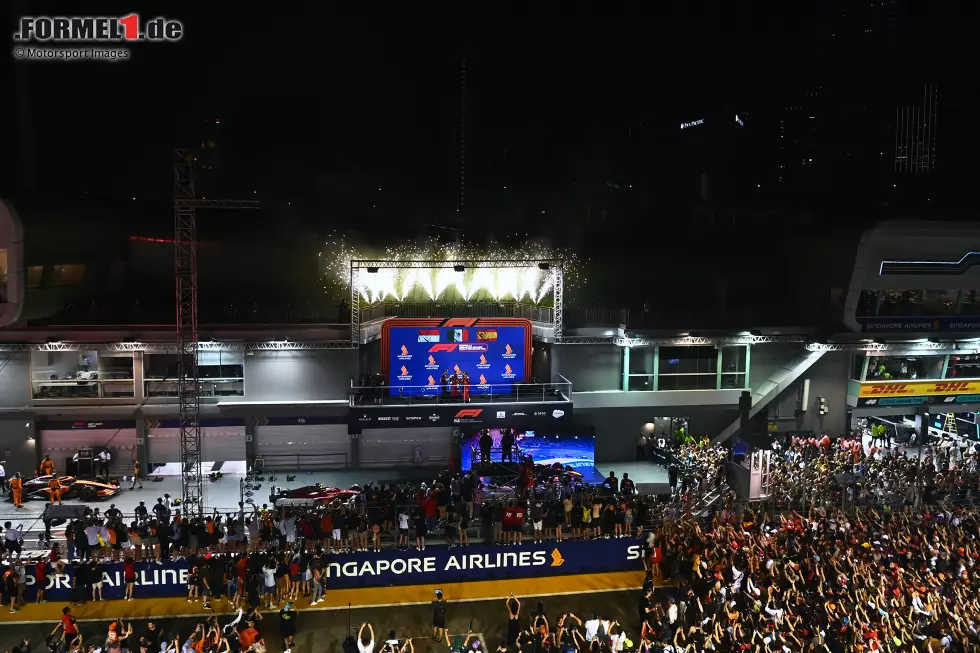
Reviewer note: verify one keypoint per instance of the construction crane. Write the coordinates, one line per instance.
(185, 270)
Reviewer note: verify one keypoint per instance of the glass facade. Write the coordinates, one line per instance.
(82, 375)
(911, 303)
(685, 368)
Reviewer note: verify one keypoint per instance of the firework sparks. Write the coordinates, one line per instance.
(524, 281)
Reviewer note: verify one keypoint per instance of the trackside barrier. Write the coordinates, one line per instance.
(391, 567)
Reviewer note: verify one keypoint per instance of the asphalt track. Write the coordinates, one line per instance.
(320, 631)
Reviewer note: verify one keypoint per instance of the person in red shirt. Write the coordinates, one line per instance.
(41, 578)
(129, 574)
(431, 510)
(466, 387)
(248, 636)
(519, 514)
(67, 625)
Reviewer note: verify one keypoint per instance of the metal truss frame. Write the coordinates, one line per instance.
(185, 275)
(170, 347)
(556, 267)
(686, 341)
(952, 347)
(188, 387)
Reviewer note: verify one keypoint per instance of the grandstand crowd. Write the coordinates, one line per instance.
(858, 548)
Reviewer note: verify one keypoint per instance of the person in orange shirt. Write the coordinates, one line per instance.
(47, 466)
(17, 488)
(136, 475)
(248, 636)
(54, 489)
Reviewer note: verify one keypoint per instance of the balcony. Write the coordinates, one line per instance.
(431, 395)
(229, 387)
(83, 389)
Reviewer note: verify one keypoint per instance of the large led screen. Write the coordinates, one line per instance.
(575, 450)
(418, 353)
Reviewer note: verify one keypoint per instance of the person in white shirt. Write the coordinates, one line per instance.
(672, 610)
(403, 529)
(270, 584)
(365, 641)
(12, 537)
(592, 627)
(105, 457)
(3, 476)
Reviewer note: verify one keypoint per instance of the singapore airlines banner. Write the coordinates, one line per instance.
(436, 565)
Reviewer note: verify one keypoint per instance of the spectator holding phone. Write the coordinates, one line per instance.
(439, 617)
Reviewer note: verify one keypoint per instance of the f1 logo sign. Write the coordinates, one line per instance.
(469, 412)
(445, 346)
(460, 322)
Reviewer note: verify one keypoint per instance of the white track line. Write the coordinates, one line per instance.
(324, 609)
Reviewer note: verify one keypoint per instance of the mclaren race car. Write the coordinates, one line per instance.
(71, 488)
(310, 495)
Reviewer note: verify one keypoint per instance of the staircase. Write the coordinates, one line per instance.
(771, 388)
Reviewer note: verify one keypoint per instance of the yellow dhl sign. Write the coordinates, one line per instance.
(919, 388)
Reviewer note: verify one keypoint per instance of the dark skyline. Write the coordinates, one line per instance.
(319, 112)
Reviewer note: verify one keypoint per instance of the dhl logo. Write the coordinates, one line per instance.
(404, 350)
(556, 559)
(460, 322)
(919, 388)
(444, 346)
(432, 361)
(469, 412)
(508, 350)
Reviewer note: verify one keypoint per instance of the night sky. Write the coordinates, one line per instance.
(318, 112)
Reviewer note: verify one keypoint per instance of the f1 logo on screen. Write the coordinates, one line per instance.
(443, 347)
(469, 412)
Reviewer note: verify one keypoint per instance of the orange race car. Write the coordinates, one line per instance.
(71, 488)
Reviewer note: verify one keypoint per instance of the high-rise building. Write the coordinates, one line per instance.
(916, 127)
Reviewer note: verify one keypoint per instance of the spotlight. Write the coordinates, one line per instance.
(372, 270)
(544, 266)
(459, 268)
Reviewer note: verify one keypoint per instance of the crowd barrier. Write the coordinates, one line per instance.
(437, 565)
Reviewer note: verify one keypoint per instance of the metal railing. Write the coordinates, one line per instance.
(386, 395)
(83, 389)
(545, 314)
(300, 462)
(226, 387)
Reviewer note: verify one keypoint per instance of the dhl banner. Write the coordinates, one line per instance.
(912, 393)
(919, 388)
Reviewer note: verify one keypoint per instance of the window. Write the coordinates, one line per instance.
(67, 275)
(867, 303)
(963, 367)
(641, 368)
(81, 374)
(688, 368)
(888, 368)
(35, 274)
(222, 374)
(857, 367)
(733, 366)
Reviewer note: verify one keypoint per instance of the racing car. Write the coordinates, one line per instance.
(71, 488)
(318, 494)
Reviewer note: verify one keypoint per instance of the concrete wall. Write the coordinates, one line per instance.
(17, 449)
(617, 429)
(766, 359)
(15, 380)
(828, 379)
(541, 367)
(299, 375)
(589, 367)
